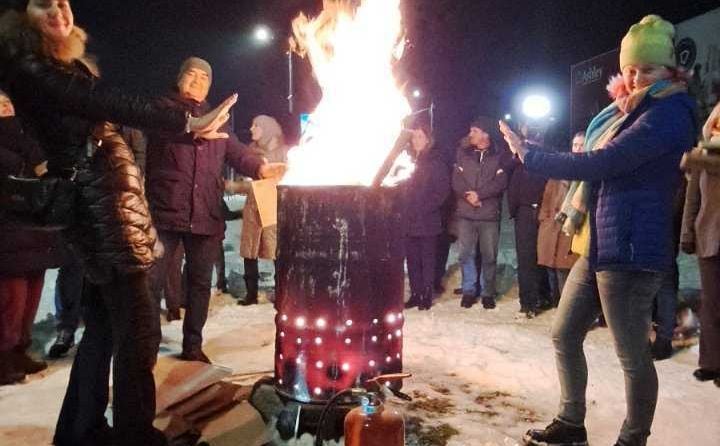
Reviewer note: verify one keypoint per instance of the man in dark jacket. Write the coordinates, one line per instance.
(525, 194)
(479, 180)
(185, 187)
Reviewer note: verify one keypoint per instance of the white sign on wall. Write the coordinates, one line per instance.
(698, 48)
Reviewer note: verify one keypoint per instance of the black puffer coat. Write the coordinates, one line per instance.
(64, 103)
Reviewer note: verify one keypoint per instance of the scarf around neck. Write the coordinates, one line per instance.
(601, 130)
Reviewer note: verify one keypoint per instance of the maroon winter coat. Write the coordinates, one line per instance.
(23, 250)
(185, 175)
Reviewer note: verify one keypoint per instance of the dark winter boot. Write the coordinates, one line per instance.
(251, 294)
(488, 302)
(634, 441)
(706, 374)
(414, 301)
(195, 354)
(9, 374)
(662, 348)
(221, 286)
(426, 299)
(556, 433)
(468, 301)
(24, 363)
(63, 343)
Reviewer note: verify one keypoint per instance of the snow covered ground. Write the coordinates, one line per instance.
(481, 377)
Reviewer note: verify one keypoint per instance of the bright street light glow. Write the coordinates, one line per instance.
(508, 117)
(536, 106)
(262, 34)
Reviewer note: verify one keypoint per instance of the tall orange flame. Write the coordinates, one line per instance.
(352, 51)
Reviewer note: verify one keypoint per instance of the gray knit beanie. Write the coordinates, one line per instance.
(196, 62)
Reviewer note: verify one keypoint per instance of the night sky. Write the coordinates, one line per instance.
(470, 57)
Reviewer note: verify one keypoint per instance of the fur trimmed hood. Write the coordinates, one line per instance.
(16, 32)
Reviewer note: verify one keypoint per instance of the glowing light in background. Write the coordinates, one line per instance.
(536, 106)
(262, 34)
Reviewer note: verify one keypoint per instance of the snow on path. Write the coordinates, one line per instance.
(483, 372)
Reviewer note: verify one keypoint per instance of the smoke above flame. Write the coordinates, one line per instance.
(352, 50)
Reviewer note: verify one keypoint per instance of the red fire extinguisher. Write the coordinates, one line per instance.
(372, 423)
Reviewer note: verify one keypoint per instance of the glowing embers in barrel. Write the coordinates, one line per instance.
(331, 356)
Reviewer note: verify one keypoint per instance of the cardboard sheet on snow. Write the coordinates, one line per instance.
(176, 380)
(242, 425)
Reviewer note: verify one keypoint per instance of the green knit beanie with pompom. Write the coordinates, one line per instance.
(649, 42)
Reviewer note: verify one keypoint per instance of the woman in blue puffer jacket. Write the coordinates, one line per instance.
(628, 179)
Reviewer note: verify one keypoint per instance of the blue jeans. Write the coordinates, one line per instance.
(482, 235)
(626, 299)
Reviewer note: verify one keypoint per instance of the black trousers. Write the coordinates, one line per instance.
(68, 294)
(122, 324)
(221, 282)
(200, 256)
(167, 279)
(420, 254)
(252, 276)
(533, 285)
(710, 313)
(442, 253)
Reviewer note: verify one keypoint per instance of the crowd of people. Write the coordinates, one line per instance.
(597, 227)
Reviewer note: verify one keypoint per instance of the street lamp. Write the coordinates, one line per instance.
(262, 34)
(536, 106)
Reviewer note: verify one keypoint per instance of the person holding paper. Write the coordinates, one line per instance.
(258, 239)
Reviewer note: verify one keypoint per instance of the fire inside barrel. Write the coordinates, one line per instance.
(339, 295)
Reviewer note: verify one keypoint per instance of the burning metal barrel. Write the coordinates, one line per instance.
(339, 295)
